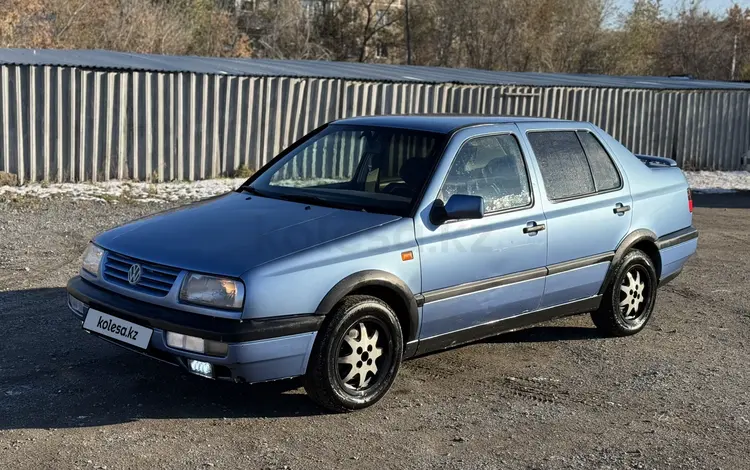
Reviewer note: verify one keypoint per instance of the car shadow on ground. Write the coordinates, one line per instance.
(736, 200)
(546, 334)
(54, 375)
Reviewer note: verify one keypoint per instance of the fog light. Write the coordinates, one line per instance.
(201, 368)
(198, 345)
(76, 305)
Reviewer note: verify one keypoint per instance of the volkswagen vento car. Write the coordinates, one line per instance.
(376, 239)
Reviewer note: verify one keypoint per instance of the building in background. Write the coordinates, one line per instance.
(96, 115)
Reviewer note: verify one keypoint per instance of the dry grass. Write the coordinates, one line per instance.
(243, 171)
(8, 179)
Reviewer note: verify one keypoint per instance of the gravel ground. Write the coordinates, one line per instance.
(552, 396)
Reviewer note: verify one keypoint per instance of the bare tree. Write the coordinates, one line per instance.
(376, 18)
(435, 34)
(166, 26)
(287, 32)
(576, 36)
(737, 29)
(639, 38)
(24, 23)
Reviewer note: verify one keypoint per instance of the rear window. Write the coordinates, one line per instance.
(563, 164)
(604, 171)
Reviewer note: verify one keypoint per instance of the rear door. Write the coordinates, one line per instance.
(586, 201)
(478, 271)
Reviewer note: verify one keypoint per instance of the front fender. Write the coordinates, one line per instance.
(379, 279)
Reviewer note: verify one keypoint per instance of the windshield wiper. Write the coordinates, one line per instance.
(251, 190)
(317, 200)
(301, 198)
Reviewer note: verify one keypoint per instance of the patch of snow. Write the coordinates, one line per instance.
(113, 191)
(18, 391)
(307, 182)
(718, 181)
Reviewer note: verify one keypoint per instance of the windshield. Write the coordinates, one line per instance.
(376, 169)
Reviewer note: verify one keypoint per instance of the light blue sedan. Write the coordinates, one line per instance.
(376, 239)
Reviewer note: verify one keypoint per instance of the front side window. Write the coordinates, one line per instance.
(563, 164)
(377, 169)
(491, 167)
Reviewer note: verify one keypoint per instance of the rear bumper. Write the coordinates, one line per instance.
(675, 249)
(258, 350)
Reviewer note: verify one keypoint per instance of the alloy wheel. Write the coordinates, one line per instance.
(362, 356)
(633, 294)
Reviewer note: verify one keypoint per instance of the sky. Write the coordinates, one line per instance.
(716, 6)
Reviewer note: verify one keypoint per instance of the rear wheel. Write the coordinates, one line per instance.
(629, 300)
(356, 355)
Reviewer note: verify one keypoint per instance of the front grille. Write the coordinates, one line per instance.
(155, 279)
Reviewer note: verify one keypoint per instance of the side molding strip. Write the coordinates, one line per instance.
(484, 284)
(580, 263)
(476, 286)
(675, 238)
(476, 333)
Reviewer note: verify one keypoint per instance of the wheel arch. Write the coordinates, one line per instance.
(642, 239)
(384, 285)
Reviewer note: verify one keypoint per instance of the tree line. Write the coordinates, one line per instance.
(568, 36)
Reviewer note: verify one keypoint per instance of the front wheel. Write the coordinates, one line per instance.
(629, 300)
(356, 355)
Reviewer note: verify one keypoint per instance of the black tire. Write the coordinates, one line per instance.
(324, 382)
(614, 319)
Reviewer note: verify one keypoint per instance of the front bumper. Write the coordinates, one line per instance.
(258, 350)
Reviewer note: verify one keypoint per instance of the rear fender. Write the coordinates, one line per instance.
(625, 245)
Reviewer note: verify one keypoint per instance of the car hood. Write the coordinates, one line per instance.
(230, 234)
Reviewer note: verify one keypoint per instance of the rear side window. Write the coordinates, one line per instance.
(563, 164)
(491, 167)
(604, 171)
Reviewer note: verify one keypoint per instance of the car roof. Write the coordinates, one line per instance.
(440, 123)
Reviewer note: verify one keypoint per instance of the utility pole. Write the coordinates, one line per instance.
(408, 33)
(740, 30)
(734, 56)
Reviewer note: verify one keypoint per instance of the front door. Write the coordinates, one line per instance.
(478, 271)
(587, 203)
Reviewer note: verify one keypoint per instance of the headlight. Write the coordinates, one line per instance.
(92, 259)
(212, 291)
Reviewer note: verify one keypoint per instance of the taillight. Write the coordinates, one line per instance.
(690, 200)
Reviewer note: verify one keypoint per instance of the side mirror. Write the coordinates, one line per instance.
(459, 206)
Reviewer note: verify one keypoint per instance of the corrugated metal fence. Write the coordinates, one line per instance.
(72, 124)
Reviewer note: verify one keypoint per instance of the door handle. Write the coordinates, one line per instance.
(620, 209)
(533, 228)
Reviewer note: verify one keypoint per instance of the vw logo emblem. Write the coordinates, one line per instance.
(134, 274)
